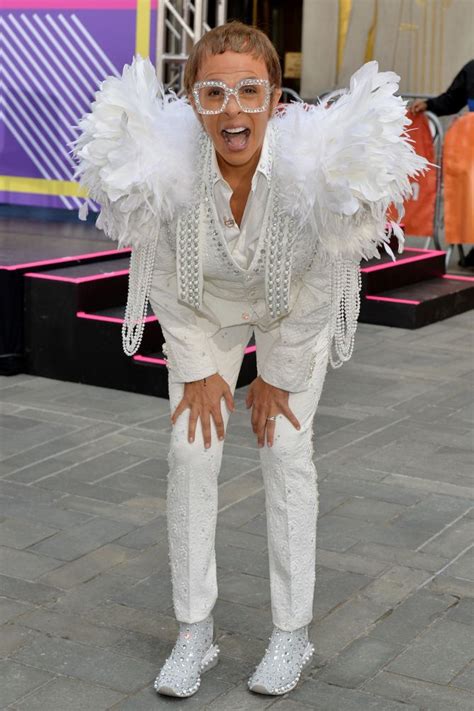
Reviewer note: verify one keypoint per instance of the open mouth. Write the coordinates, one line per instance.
(236, 138)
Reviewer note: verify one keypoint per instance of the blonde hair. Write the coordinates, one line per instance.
(234, 37)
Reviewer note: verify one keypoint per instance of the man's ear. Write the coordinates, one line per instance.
(276, 96)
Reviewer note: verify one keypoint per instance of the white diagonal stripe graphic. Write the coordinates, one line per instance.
(92, 205)
(10, 124)
(40, 88)
(51, 70)
(10, 99)
(45, 145)
(102, 71)
(59, 49)
(96, 80)
(18, 134)
(97, 47)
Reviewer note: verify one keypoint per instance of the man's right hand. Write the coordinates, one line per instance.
(203, 398)
(418, 106)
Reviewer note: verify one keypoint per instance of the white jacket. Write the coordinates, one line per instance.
(334, 171)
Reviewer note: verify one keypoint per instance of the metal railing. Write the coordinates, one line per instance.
(180, 24)
(438, 137)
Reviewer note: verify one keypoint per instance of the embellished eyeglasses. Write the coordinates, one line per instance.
(252, 95)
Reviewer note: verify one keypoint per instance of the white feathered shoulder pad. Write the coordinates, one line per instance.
(343, 163)
(137, 154)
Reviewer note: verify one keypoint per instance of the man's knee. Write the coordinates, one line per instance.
(185, 453)
(289, 443)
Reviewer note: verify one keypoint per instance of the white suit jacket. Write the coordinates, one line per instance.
(336, 168)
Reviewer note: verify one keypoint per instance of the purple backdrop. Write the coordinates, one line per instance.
(53, 63)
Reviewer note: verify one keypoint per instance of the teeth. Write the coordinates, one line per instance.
(235, 130)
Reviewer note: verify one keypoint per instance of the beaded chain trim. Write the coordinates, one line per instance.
(277, 283)
(189, 262)
(219, 243)
(139, 285)
(346, 284)
(280, 236)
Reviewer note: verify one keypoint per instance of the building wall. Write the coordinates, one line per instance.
(425, 41)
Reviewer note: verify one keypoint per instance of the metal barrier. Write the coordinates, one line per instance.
(438, 136)
(289, 94)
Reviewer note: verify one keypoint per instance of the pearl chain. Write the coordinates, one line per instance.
(346, 283)
(140, 277)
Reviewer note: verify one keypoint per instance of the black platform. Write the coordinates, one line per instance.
(73, 315)
(413, 291)
(26, 245)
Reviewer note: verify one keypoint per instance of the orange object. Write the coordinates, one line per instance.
(420, 209)
(458, 169)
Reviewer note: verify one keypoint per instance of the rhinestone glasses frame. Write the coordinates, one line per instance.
(232, 92)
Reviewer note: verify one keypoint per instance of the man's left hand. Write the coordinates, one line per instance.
(267, 401)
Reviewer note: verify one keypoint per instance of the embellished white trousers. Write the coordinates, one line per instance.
(291, 494)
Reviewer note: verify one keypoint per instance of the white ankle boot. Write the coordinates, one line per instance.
(193, 654)
(285, 658)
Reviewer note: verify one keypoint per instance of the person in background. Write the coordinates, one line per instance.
(459, 94)
(454, 99)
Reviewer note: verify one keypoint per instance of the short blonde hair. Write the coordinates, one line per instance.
(234, 37)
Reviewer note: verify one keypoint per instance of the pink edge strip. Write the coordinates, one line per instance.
(147, 359)
(392, 300)
(250, 349)
(388, 265)
(73, 4)
(109, 319)
(61, 260)
(421, 249)
(458, 277)
(77, 280)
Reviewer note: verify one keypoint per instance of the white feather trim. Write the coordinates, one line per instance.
(137, 154)
(339, 167)
(342, 166)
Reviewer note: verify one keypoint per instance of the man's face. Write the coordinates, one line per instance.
(236, 149)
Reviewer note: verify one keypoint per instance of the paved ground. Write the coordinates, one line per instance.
(86, 599)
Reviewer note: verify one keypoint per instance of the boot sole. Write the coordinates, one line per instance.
(278, 691)
(209, 661)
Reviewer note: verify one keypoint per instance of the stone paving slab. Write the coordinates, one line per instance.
(423, 695)
(86, 609)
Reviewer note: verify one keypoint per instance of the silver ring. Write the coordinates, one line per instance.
(273, 418)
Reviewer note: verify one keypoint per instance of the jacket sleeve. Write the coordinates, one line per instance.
(304, 334)
(187, 344)
(453, 99)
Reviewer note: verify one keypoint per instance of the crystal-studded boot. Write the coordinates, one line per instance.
(285, 657)
(193, 654)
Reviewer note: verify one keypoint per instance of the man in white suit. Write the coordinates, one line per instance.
(242, 220)
(205, 352)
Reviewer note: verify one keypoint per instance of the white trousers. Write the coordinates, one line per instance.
(291, 494)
